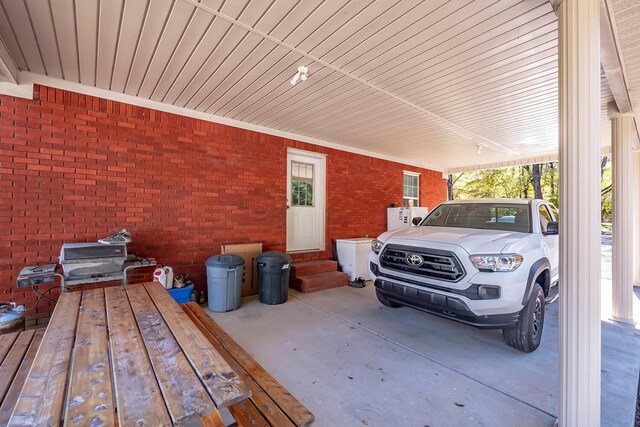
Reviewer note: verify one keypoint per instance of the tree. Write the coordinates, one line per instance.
(521, 181)
(536, 176)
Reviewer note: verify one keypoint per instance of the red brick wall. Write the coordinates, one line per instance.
(73, 168)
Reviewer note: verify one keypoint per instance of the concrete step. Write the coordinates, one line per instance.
(320, 281)
(306, 268)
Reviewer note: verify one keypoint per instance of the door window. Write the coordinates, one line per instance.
(545, 218)
(301, 184)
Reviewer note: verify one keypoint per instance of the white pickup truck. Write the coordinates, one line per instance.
(489, 263)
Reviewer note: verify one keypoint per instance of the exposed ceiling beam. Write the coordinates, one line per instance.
(8, 67)
(474, 137)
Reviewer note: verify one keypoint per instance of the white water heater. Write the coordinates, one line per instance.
(403, 217)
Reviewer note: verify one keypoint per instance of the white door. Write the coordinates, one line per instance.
(305, 201)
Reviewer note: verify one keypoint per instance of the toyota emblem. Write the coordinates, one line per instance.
(414, 260)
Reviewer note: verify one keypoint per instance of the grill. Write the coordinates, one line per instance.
(437, 264)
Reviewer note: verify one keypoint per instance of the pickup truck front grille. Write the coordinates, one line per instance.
(434, 263)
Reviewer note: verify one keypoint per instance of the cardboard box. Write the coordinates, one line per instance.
(249, 252)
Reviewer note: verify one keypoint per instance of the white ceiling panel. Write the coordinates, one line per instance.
(627, 20)
(424, 81)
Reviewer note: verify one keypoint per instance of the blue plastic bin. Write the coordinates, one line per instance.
(181, 295)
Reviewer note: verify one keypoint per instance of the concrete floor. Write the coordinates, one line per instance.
(353, 362)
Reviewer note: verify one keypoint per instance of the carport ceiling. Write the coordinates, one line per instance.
(423, 81)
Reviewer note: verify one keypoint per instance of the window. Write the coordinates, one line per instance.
(411, 189)
(301, 184)
(484, 216)
(554, 212)
(545, 218)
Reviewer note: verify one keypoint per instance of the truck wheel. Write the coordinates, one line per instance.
(385, 301)
(526, 334)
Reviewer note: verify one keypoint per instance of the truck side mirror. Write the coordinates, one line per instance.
(417, 220)
(552, 228)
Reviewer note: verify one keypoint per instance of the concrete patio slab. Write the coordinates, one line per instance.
(354, 362)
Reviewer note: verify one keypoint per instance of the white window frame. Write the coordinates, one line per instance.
(416, 200)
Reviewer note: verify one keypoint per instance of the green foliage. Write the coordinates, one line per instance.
(516, 182)
(302, 194)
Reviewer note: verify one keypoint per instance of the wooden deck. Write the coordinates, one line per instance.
(123, 356)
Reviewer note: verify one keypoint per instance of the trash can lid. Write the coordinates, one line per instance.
(225, 260)
(274, 256)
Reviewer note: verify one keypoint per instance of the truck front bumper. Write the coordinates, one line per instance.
(449, 306)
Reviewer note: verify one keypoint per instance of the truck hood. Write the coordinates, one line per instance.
(473, 241)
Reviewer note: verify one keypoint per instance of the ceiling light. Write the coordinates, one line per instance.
(300, 76)
(479, 148)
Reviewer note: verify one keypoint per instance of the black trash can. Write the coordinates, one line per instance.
(273, 271)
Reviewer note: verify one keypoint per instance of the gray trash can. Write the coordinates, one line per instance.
(224, 282)
(273, 270)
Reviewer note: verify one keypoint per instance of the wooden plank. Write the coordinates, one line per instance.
(222, 383)
(183, 392)
(12, 394)
(259, 397)
(42, 398)
(6, 341)
(214, 419)
(11, 363)
(89, 394)
(138, 397)
(289, 404)
(247, 415)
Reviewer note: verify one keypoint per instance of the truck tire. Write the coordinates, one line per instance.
(526, 334)
(385, 301)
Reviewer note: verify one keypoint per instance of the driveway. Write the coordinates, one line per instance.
(353, 362)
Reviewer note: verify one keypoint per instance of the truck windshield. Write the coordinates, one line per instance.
(484, 216)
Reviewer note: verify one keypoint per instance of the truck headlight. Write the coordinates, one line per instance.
(500, 262)
(376, 246)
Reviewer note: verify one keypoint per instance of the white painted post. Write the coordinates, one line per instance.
(635, 188)
(622, 134)
(579, 302)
